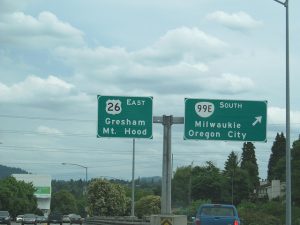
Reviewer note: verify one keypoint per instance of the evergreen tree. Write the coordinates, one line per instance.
(249, 163)
(231, 163)
(296, 172)
(277, 158)
(64, 202)
(238, 186)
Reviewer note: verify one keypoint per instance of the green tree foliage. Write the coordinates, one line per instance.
(296, 172)
(75, 187)
(64, 202)
(249, 164)
(147, 206)
(231, 164)
(270, 213)
(237, 186)
(106, 198)
(17, 196)
(277, 159)
(207, 182)
(181, 186)
(192, 209)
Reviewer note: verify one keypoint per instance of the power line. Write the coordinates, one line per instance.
(81, 120)
(47, 118)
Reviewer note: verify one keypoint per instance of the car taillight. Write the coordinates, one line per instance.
(236, 222)
(197, 221)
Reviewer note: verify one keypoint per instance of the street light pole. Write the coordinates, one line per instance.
(86, 178)
(288, 219)
(85, 167)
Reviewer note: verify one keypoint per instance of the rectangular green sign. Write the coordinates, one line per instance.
(42, 191)
(126, 117)
(228, 120)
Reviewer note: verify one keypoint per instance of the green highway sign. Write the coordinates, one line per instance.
(43, 191)
(125, 117)
(227, 120)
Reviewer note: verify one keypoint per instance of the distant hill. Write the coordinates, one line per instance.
(6, 171)
(150, 180)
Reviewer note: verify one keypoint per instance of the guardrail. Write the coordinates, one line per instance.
(119, 220)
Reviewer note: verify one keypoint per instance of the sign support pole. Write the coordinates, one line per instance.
(132, 182)
(167, 169)
(167, 122)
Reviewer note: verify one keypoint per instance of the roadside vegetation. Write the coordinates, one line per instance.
(192, 185)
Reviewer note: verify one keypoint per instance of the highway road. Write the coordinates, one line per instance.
(15, 223)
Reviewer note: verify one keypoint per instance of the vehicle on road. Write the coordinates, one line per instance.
(19, 218)
(74, 218)
(55, 217)
(5, 217)
(217, 214)
(41, 219)
(29, 218)
(66, 219)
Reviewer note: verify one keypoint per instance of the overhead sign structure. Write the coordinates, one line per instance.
(125, 117)
(227, 120)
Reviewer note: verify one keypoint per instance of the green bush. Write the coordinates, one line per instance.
(147, 206)
(270, 213)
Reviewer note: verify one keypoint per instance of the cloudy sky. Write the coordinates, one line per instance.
(57, 56)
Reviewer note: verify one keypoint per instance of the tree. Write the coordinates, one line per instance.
(207, 182)
(249, 164)
(232, 163)
(106, 198)
(278, 154)
(17, 196)
(147, 206)
(64, 202)
(237, 185)
(296, 172)
(181, 186)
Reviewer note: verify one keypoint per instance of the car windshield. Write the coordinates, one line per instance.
(4, 213)
(76, 216)
(29, 216)
(217, 211)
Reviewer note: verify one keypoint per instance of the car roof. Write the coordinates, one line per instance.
(217, 205)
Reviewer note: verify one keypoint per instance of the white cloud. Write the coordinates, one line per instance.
(40, 92)
(45, 31)
(47, 130)
(176, 63)
(183, 44)
(235, 21)
(230, 84)
(277, 115)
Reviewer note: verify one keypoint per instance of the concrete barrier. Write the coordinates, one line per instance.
(99, 220)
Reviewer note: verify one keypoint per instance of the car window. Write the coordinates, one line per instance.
(217, 211)
(4, 213)
(29, 215)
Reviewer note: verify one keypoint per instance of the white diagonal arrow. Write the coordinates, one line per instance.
(257, 120)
